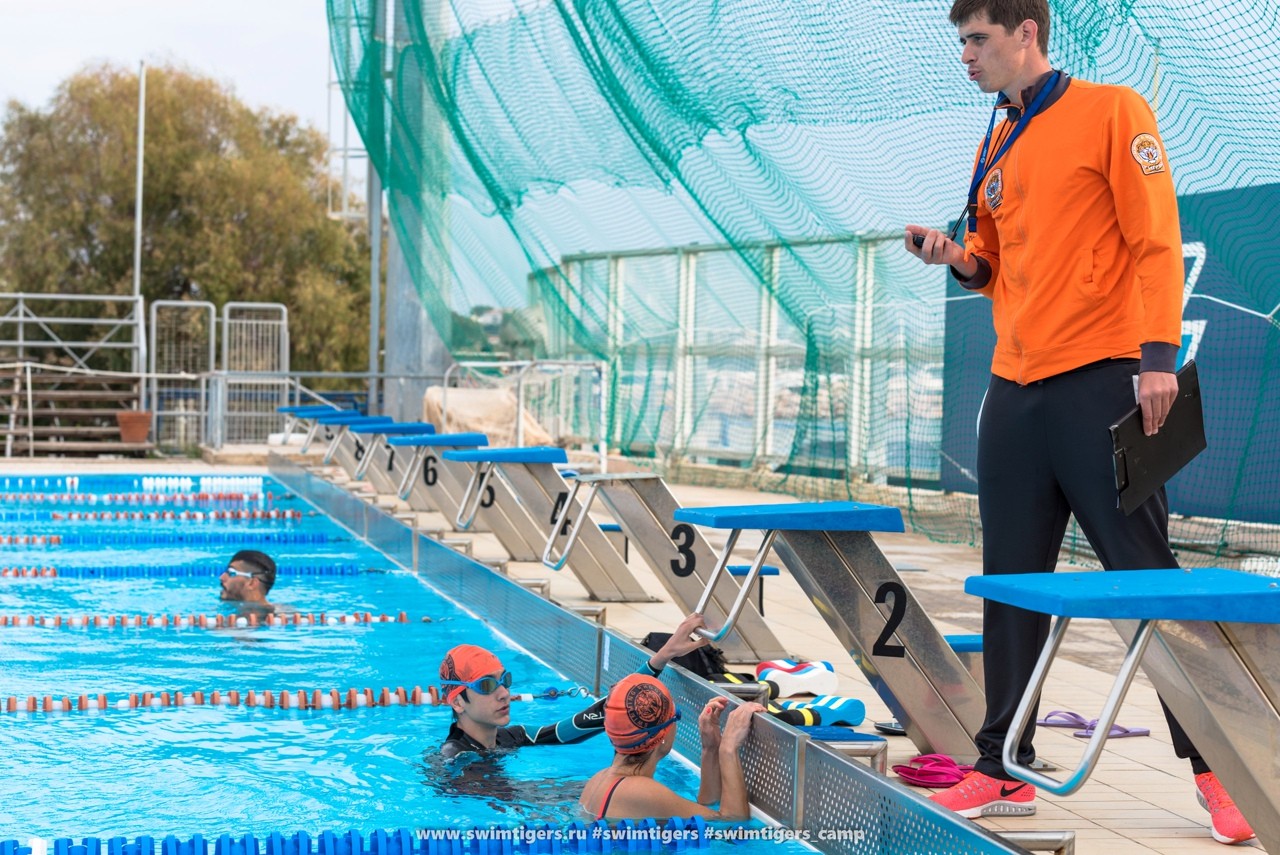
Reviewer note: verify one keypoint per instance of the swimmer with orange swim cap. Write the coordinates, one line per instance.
(640, 717)
(476, 686)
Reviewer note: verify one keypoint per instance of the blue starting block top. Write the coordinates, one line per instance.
(964, 643)
(351, 418)
(399, 428)
(310, 410)
(533, 454)
(457, 440)
(1210, 594)
(744, 569)
(800, 516)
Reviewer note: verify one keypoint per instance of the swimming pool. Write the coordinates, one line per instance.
(213, 770)
(240, 770)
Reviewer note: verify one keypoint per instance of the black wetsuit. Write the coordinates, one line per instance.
(579, 726)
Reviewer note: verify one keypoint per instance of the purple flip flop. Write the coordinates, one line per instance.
(1117, 731)
(1064, 718)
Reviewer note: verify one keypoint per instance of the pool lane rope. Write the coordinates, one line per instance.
(132, 498)
(239, 515)
(301, 699)
(285, 699)
(201, 621)
(645, 835)
(143, 537)
(160, 571)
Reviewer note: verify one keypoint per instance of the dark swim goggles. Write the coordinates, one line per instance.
(646, 733)
(485, 685)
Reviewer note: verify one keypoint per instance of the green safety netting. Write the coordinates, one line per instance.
(709, 197)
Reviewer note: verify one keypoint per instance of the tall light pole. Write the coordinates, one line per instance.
(139, 330)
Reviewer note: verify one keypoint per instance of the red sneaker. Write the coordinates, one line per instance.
(1229, 825)
(981, 795)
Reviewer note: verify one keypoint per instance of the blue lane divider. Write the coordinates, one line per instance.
(197, 571)
(241, 538)
(646, 835)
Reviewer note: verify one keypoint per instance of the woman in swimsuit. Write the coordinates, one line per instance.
(640, 719)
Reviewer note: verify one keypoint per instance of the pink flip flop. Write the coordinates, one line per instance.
(932, 770)
(1064, 718)
(1117, 731)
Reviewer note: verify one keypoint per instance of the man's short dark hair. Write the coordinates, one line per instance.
(1008, 14)
(261, 565)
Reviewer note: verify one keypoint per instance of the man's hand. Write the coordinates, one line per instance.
(936, 248)
(1157, 390)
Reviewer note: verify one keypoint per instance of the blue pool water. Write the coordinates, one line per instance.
(210, 771)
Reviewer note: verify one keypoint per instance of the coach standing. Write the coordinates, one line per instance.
(1072, 230)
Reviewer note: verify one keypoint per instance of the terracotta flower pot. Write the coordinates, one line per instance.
(134, 425)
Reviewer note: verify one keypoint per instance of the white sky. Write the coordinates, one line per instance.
(274, 53)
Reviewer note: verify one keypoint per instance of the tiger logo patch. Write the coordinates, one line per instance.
(1146, 150)
(993, 189)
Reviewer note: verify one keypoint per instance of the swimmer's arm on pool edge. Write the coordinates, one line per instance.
(590, 721)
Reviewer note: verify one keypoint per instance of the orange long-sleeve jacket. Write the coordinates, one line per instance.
(1077, 240)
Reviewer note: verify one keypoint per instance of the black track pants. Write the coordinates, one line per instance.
(1044, 452)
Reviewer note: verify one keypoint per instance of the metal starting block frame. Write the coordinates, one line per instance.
(377, 458)
(828, 549)
(304, 414)
(679, 555)
(530, 475)
(432, 482)
(341, 450)
(1209, 637)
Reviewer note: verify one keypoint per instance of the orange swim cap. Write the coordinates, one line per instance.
(466, 663)
(638, 713)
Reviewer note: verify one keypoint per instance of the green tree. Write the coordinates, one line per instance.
(234, 206)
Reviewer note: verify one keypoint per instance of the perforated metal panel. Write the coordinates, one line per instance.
(858, 811)
(390, 537)
(770, 762)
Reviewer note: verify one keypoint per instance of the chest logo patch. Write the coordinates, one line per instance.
(993, 189)
(1146, 150)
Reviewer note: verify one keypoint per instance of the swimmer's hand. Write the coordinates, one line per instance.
(737, 727)
(682, 641)
(709, 723)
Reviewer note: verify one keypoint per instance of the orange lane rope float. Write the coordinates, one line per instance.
(301, 699)
(130, 498)
(240, 515)
(194, 621)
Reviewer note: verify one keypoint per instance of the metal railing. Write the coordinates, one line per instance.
(568, 408)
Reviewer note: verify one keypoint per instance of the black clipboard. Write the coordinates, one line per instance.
(1145, 463)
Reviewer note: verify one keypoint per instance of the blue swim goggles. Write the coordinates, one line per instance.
(485, 685)
(645, 733)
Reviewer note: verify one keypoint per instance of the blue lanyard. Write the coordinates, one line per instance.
(980, 173)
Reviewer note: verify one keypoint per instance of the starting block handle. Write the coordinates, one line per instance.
(741, 601)
(558, 521)
(363, 466)
(333, 444)
(411, 472)
(470, 504)
(1092, 751)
